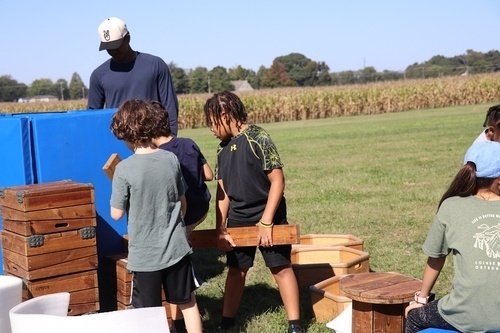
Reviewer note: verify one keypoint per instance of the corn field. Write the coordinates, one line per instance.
(275, 105)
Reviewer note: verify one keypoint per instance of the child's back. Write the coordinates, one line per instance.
(150, 185)
(192, 164)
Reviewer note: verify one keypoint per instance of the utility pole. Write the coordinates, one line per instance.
(62, 91)
(83, 92)
(209, 85)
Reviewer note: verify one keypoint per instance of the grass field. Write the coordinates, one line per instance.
(377, 177)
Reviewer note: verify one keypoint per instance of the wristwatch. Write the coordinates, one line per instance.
(423, 300)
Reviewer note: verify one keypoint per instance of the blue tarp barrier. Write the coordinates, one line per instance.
(15, 155)
(45, 147)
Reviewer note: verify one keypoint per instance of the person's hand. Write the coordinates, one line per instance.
(225, 242)
(265, 237)
(411, 306)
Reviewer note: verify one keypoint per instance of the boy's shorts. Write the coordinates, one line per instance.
(244, 256)
(177, 281)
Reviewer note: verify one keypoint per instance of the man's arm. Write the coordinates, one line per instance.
(96, 93)
(168, 96)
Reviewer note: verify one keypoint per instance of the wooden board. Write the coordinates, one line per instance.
(245, 236)
(83, 308)
(47, 243)
(28, 228)
(110, 165)
(50, 264)
(46, 195)
(67, 283)
(60, 213)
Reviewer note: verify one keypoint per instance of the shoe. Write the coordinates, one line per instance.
(174, 330)
(295, 329)
(221, 329)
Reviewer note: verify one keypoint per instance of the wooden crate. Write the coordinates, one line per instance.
(48, 243)
(49, 240)
(314, 264)
(48, 195)
(327, 301)
(49, 229)
(82, 286)
(330, 240)
(50, 264)
(120, 279)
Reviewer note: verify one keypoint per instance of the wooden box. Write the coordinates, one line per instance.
(49, 229)
(50, 195)
(327, 301)
(82, 286)
(314, 264)
(42, 256)
(331, 240)
(121, 278)
(48, 243)
(50, 264)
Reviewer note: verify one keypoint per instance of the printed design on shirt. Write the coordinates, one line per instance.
(488, 239)
(233, 147)
(258, 137)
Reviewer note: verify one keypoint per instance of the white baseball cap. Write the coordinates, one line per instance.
(112, 31)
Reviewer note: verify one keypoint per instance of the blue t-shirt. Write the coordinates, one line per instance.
(147, 77)
(192, 161)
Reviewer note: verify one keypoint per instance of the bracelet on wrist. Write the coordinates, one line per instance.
(266, 225)
(423, 300)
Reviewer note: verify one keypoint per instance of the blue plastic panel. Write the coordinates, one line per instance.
(75, 146)
(15, 156)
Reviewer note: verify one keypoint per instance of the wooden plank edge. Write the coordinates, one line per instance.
(245, 236)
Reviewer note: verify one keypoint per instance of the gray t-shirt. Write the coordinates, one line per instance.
(148, 187)
(470, 228)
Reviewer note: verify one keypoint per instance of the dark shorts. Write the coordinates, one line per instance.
(243, 257)
(177, 282)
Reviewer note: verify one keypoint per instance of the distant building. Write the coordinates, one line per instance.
(241, 85)
(40, 98)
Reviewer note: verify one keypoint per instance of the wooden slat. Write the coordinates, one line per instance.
(51, 242)
(50, 264)
(245, 236)
(71, 212)
(388, 318)
(28, 228)
(78, 309)
(110, 165)
(84, 296)
(69, 283)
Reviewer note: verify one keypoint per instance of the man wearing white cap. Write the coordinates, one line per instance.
(129, 74)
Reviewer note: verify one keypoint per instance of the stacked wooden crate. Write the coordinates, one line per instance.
(49, 240)
(119, 278)
(319, 262)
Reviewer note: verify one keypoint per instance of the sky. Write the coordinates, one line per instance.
(56, 38)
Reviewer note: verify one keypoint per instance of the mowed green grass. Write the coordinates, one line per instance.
(377, 177)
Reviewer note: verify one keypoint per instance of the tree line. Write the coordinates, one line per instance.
(292, 70)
